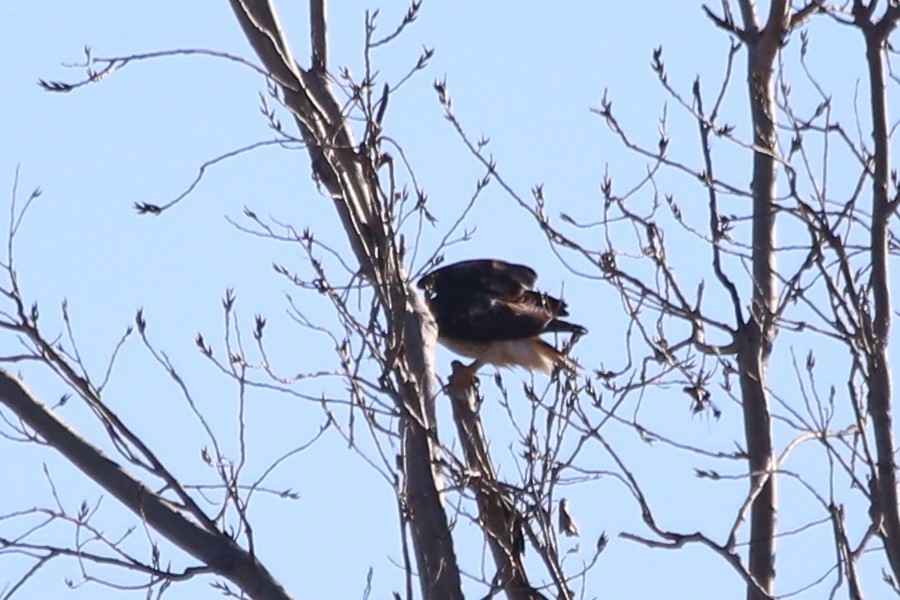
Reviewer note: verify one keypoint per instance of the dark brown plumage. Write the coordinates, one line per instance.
(486, 309)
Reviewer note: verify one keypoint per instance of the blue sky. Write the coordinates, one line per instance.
(524, 75)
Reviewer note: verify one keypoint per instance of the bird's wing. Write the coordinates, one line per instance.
(524, 276)
(482, 275)
(489, 300)
(485, 318)
(544, 308)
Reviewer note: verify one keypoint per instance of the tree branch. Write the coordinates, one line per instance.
(497, 514)
(215, 549)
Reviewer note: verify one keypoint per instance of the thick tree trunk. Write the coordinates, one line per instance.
(752, 361)
(432, 542)
(879, 372)
(758, 332)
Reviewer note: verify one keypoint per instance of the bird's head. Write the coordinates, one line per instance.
(426, 283)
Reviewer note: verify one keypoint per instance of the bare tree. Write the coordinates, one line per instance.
(834, 285)
(384, 350)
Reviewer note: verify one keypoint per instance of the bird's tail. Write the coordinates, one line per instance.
(551, 357)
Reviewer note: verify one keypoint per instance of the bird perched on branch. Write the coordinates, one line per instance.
(487, 310)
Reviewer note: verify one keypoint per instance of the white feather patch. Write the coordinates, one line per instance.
(530, 353)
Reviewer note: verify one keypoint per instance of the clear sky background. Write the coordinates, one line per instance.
(524, 74)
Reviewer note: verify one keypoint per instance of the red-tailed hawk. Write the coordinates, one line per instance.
(487, 310)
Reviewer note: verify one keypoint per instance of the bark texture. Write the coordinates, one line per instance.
(497, 516)
(878, 324)
(757, 333)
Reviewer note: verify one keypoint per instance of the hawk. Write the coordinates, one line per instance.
(487, 310)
